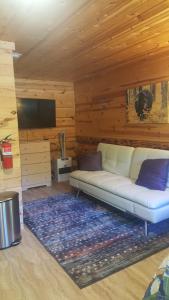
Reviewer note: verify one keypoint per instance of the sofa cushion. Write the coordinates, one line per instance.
(115, 158)
(142, 195)
(87, 175)
(90, 162)
(141, 154)
(101, 179)
(154, 174)
(124, 187)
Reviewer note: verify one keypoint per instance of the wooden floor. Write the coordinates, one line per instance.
(29, 272)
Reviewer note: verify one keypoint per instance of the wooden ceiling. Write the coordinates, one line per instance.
(73, 39)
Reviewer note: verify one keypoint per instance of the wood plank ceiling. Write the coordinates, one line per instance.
(72, 39)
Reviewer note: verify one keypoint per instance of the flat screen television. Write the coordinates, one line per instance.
(36, 113)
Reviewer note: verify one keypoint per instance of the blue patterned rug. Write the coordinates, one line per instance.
(89, 239)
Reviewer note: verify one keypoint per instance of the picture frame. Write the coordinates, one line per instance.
(148, 103)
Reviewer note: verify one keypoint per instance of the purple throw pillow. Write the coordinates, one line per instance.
(154, 174)
(90, 162)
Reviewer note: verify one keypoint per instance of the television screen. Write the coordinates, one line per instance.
(36, 113)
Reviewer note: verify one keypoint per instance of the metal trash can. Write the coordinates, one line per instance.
(10, 234)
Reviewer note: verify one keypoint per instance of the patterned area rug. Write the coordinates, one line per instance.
(89, 239)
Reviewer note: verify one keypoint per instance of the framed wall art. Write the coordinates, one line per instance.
(148, 103)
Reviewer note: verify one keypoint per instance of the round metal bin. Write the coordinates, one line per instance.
(10, 234)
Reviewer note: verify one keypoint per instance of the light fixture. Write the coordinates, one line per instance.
(16, 55)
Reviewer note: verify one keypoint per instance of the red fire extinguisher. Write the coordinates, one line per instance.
(6, 152)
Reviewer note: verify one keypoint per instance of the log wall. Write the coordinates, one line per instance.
(10, 179)
(63, 93)
(101, 113)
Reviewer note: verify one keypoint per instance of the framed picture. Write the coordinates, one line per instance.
(148, 103)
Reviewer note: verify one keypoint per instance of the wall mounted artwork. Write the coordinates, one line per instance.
(148, 103)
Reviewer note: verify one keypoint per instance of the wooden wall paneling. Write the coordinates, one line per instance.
(63, 94)
(101, 113)
(9, 179)
(79, 38)
(113, 47)
(65, 112)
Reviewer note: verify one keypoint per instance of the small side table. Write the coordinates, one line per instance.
(63, 169)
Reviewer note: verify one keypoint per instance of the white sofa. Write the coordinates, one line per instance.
(115, 184)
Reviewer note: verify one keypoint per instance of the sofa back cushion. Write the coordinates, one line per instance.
(141, 154)
(115, 158)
